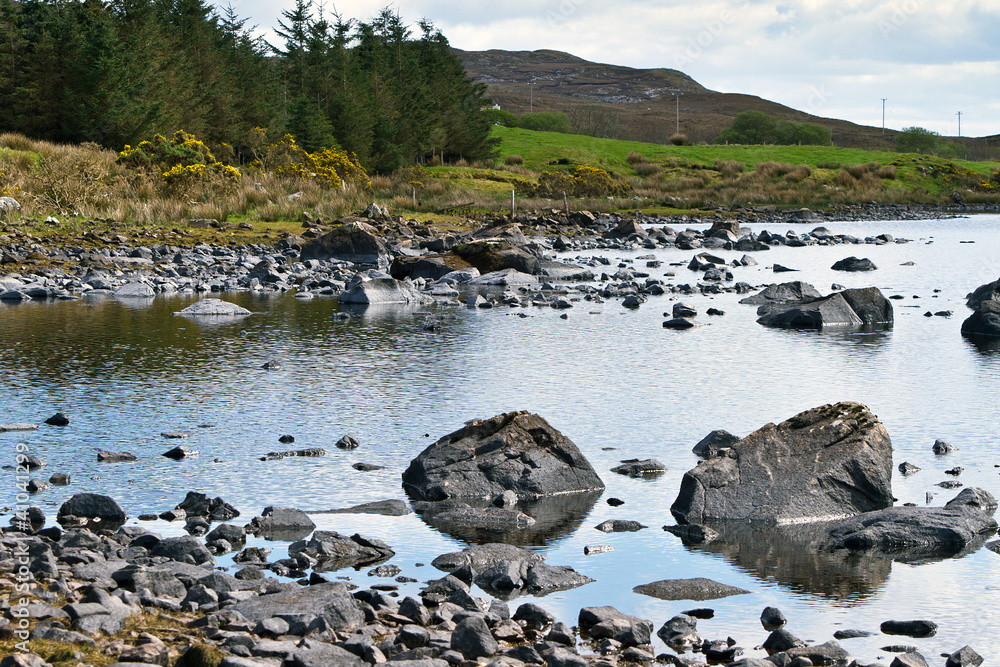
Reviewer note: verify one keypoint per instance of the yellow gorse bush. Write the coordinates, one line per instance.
(584, 181)
(330, 167)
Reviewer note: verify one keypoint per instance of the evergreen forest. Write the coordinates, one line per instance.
(117, 72)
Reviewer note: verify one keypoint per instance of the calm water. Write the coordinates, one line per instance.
(607, 377)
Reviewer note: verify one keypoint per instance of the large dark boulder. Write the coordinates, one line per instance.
(985, 321)
(490, 255)
(917, 534)
(828, 462)
(515, 451)
(353, 241)
(96, 511)
(851, 308)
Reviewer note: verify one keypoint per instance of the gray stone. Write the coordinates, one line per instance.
(639, 468)
(518, 451)
(909, 659)
(472, 639)
(709, 446)
(619, 526)
(134, 290)
(114, 457)
(334, 551)
(330, 604)
(964, 657)
(281, 521)
(829, 462)
(784, 293)
(383, 507)
(185, 549)
(854, 264)
(698, 588)
(918, 533)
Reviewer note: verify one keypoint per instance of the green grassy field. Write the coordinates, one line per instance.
(541, 149)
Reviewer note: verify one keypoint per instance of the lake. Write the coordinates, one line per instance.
(611, 379)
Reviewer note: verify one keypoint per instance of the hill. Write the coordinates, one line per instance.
(617, 102)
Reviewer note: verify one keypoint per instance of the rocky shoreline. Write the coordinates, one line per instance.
(378, 245)
(96, 590)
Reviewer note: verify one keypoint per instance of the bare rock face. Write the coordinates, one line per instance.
(516, 451)
(829, 462)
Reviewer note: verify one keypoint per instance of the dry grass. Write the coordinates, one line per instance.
(514, 160)
(729, 168)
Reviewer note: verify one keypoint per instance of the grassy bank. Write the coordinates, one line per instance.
(86, 186)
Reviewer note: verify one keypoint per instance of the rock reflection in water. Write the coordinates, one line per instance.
(800, 557)
(555, 517)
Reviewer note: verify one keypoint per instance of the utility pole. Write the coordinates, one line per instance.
(959, 123)
(531, 97)
(883, 115)
(677, 98)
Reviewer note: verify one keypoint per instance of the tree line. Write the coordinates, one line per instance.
(117, 72)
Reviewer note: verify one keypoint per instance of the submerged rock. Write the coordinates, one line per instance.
(515, 451)
(214, 308)
(688, 589)
(828, 462)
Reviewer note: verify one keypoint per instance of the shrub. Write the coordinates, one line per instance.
(857, 170)
(799, 174)
(888, 171)
(163, 154)
(545, 121)
(329, 167)
(728, 168)
(501, 117)
(679, 139)
(917, 140)
(636, 158)
(771, 169)
(584, 181)
(514, 160)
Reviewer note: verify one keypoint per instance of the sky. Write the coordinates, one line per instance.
(929, 59)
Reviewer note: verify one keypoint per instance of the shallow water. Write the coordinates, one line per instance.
(606, 377)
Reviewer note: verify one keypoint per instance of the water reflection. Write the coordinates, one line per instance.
(556, 517)
(986, 346)
(799, 557)
(874, 336)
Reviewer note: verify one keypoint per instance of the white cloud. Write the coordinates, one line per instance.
(930, 59)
